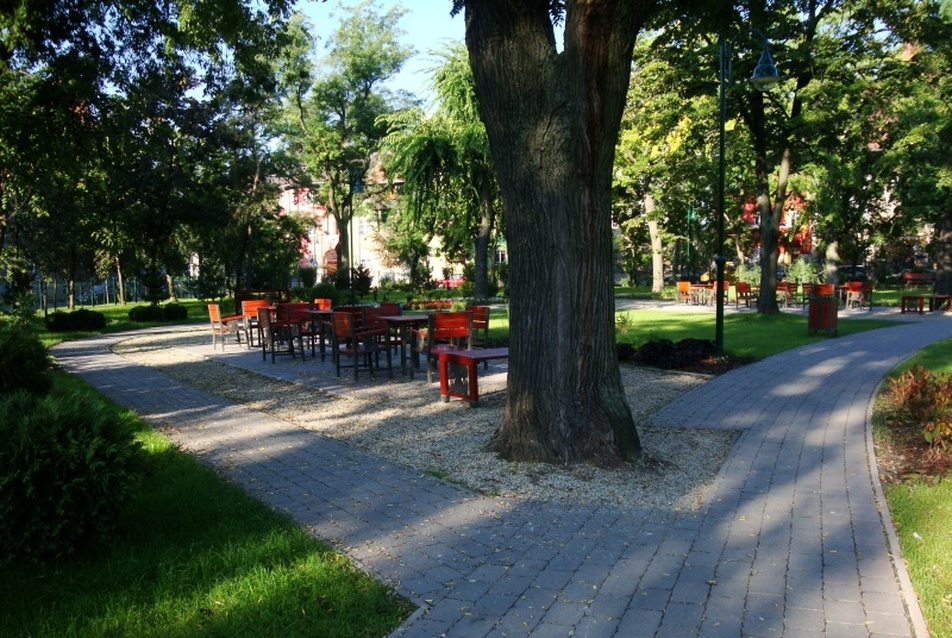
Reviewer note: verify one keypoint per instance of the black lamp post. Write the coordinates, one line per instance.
(764, 77)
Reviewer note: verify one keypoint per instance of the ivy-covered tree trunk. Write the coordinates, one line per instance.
(552, 119)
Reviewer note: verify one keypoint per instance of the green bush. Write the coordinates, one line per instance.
(174, 312)
(68, 464)
(142, 314)
(82, 319)
(24, 362)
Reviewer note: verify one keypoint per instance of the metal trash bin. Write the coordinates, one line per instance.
(823, 314)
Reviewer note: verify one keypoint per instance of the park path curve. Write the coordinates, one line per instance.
(794, 539)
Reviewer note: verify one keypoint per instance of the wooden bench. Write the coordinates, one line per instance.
(917, 279)
(937, 301)
(908, 301)
(470, 359)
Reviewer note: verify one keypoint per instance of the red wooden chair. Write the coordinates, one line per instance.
(277, 336)
(353, 340)
(445, 331)
(480, 328)
(684, 292)
(298, 312)
(223, 325)
(743, 292)
(785, 293)
(806, 291)
(249, 312)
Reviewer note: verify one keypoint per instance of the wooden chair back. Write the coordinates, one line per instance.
(824, 290)
(323, 303)
(372, 314)
(249, 307)
(295, 311)
(345, 324)
(684, 291)
(450, 327)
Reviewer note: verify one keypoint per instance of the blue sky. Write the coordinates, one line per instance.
(427, 26)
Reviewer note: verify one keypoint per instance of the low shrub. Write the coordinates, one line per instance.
(82, 319)
(923, 400)
(664, 353)
(174, 312)
(141, 314)
(24, 362)
(68, 464)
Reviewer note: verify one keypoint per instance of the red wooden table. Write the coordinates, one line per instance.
(471, 359)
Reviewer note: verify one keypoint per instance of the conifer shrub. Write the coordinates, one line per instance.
(68, 464)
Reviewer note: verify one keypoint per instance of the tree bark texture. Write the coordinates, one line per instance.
(552, 119)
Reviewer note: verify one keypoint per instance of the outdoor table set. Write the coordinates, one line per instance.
(357, 336)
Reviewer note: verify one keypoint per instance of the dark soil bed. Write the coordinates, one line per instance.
(688, 355)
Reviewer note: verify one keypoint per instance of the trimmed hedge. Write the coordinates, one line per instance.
(68, 464)
(151, 313)
(82, 319)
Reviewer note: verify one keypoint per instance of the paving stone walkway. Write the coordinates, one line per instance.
(794, 539)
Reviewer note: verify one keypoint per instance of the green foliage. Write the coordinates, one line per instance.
(308, 276)
(801, 271)
(923, 401)
(68, 464)
(174, 312)
(195, 555)
(24, 361)
(150, 313)
(81, 319)
(748, 273)
(155, 313)
(363, 280)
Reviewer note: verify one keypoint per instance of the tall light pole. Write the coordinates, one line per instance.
(764, 77)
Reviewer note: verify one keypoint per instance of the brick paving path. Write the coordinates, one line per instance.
(794, 539)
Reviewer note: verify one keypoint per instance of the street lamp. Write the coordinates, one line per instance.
(764, 77)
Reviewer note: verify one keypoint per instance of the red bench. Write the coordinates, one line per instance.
(470, 359)
(937, 301)
(909, 302)
(916, 279)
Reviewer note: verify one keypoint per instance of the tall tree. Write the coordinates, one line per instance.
(918, 135)
(552, 115)
(334, 125)
(122, 81)
(444, 160)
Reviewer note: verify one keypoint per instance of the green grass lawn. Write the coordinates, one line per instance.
(745, 335)
(196, 556)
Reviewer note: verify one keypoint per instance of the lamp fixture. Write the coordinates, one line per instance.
(765, 73)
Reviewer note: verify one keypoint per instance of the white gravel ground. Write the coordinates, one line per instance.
(397, 421)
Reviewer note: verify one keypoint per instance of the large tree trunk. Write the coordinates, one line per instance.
(481, 247)
(552, 120)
